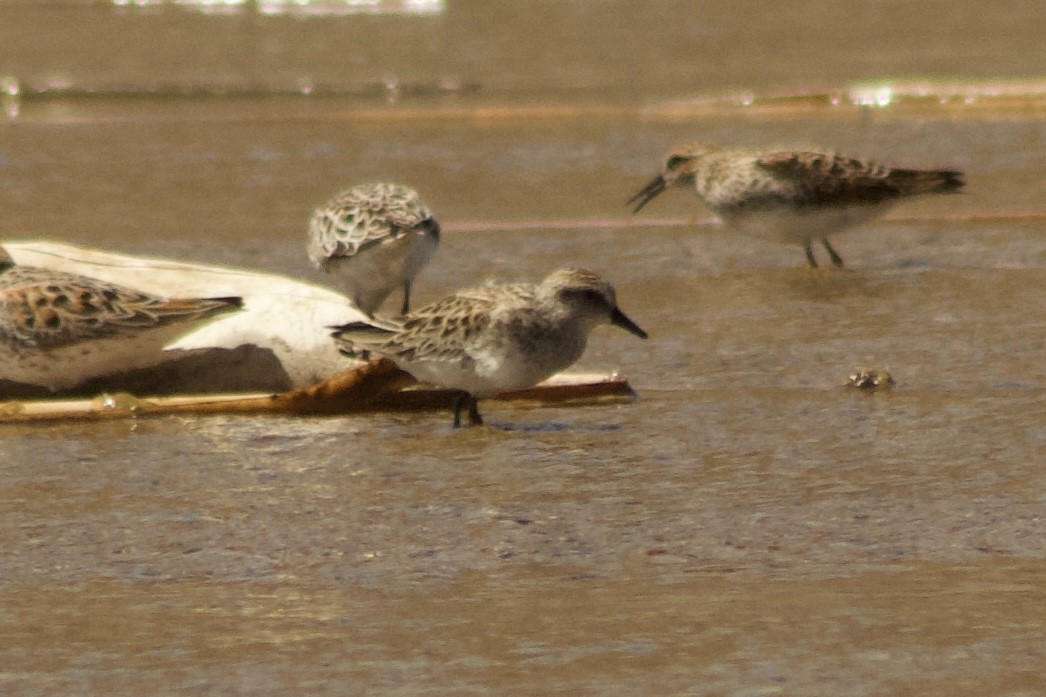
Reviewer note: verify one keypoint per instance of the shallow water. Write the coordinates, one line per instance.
(747, 526)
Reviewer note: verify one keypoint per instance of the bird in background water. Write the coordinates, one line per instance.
(794, 196)
(374, 238)
(494, 338)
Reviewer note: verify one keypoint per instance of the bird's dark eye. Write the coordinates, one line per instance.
(589, 296)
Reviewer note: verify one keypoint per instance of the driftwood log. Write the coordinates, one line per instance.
(377, 386)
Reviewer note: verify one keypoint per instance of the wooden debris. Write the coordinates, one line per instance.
(377, 386)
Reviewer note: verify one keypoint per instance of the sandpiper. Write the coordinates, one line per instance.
(494, 338)
(59, 329)
(797, 196)
(375, 238)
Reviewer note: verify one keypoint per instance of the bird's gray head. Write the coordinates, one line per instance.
(428, 226)
(402, 209)
(588, 295)
(680, 164)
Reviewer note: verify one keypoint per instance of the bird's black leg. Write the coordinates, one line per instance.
(810, 256)
(460, 400)
(474, 418)
(836, 259)
(457, 407)
(406, 298)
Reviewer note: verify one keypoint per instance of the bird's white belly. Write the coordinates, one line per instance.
(67, 366)
(376, 273)
(501, 377)
(495, 369)
(803, 226)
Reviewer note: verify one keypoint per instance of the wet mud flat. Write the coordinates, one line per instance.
(748, 524)
(798, 537)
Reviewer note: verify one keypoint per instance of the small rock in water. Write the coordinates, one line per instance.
(873, 379)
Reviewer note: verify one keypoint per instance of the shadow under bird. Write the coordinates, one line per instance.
(494, 338)
(795, 196)
(58, 329)
(374, 238)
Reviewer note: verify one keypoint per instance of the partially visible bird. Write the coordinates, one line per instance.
(494, 338)
(797, 196)
(59, 329)
(374, 238)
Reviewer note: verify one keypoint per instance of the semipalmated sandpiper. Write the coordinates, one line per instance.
(375, 238)
(797, 196)
(59, 329)
(494, 338)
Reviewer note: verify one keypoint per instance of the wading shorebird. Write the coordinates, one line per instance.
(58, 329)
(796, 196)
(374, 238)
(494, 338)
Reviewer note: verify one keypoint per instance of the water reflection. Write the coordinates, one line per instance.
(10, 90)
(312, 8)
(347, 7)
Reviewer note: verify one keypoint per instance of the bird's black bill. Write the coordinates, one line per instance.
(647, 193)
(618, 319)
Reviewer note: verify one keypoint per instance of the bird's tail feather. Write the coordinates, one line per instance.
(928, 181)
